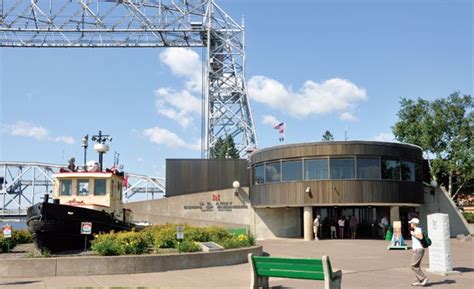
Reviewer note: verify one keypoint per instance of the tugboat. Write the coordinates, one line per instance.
(88, 194)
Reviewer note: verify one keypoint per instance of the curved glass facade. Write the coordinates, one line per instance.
(336, 168)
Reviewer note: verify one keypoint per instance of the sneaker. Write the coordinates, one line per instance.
(424, 282)
(416, 284)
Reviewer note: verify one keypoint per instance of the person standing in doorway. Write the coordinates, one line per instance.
(341, 223)
(353, 222)
(384, 223)
(418, 253)
(333, 229)
(316, 224)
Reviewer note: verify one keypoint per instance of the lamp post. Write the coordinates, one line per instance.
(85, 144)
(236, 185)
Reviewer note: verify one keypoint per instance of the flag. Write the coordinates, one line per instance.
(281, 129)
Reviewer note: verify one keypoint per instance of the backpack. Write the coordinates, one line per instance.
(425, 241)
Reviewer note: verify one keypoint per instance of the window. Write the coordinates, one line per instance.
(65, 188)
(316, 169)
(99, 187)
(418, 172)
(408, 171)
(259, 174)
(342, 168)
(368, 168)
(390, 170)
(291, 171)
(272, 172)
(82, 187)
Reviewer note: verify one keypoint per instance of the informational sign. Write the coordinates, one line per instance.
(7, 231)
(86, 228)
(440, 249)
(179, 232)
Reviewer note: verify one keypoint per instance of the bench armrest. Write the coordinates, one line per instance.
(337, 275)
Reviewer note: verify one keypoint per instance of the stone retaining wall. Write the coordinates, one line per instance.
(109, 265)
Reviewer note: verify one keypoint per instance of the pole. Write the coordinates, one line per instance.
(85, 242)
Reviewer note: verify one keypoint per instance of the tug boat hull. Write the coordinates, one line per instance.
(57, 227)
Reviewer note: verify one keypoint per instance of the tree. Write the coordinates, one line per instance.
(224, 149)
(327, 136)
(443, 128)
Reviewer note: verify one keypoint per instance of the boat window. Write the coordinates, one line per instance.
(82, 187)
(99, 187)
(65, 188)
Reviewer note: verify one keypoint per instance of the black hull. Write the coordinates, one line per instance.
(57, 227)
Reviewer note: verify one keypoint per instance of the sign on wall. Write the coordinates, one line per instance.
(7, 231)
(86, 228)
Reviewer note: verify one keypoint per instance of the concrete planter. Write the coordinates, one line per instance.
(109, 265)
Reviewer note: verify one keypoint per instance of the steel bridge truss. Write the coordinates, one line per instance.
(149, 23)
(23, 184)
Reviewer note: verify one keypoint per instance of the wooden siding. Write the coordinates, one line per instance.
(339, 148)
(184, 176)
(336, 192)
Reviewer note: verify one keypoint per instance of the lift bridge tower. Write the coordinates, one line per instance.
(149, 23)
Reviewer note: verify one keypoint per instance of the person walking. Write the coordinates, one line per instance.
(418, 253)
(353, 222)
(341, 223)
(316, 224)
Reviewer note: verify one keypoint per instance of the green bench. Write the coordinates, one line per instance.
(264, 267)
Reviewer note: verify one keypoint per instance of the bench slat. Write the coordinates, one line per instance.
(300, 261)
(290, 267)
(290, 274)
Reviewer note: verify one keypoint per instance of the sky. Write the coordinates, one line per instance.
(315, 65)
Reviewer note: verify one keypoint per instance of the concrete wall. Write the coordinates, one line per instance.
(278, 222)
(82, 266)
(440, 202)
(220, 208)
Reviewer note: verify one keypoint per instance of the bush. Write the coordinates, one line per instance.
(122, 243)
(7, 244)
(238, 241)
(106, 245)
(469, 217)
(22, 236)
(188, 246)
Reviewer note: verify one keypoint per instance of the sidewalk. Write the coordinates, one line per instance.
(365, 264)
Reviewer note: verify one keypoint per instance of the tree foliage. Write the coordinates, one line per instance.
(224, 149)
(327, 136)
(444, 129)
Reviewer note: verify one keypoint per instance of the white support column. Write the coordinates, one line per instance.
(394, 214)
(308, 223)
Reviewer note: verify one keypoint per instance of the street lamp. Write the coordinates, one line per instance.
(85, 144)
(308, 191)
(236, 185)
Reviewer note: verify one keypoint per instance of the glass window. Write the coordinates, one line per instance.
(259, 174)
(390, 169)
(418, 172)
(368, 168)
(316, 169)
(272, 172)
(65, 188)
(291, 170)
(82, 187)
(342, 168)
(99, 187)
(408, 171)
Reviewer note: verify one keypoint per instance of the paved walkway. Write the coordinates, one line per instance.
(365, 264)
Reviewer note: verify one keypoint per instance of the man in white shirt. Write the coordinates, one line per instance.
(418, 252)
(316, 224)
(341, 223)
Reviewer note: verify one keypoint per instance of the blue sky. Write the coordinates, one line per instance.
(344, 63)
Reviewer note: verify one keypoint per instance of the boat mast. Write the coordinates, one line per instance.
(100, 146)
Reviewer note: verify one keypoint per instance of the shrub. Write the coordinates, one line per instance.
(106, 245)
(188, 246)
(196, 234)
(122, 243)
(22, 236)
(6, 244)
(469, 217)
(237, 241)
(165, 238)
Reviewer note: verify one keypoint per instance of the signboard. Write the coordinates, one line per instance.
(179, 232)
(86, 228)
(7, 231)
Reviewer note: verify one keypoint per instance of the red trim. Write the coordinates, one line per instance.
(82, 204)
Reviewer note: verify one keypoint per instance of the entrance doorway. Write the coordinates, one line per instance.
(368, 220)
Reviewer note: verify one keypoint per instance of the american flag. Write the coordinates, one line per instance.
(281, 129)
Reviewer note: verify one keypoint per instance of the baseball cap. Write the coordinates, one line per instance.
(414, 221)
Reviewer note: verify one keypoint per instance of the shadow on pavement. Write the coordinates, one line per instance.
(20, 283)
(440, 283)
(463, 269)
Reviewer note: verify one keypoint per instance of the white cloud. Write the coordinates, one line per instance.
(348, 116)
(270, 120)
(384, 136)
(332, 95)
(26, 129)
(163, 136)
(186, 63)
(177, 105)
